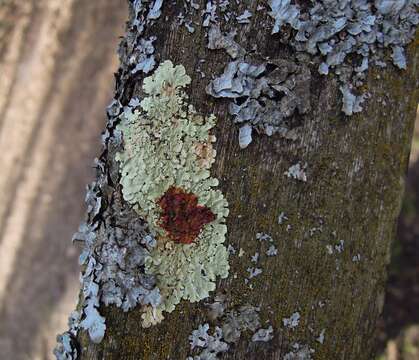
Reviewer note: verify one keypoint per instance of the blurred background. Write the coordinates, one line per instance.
(57, 59)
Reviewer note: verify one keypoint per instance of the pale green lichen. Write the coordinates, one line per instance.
(167, 143)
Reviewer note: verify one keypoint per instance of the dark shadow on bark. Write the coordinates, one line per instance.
(402, 295)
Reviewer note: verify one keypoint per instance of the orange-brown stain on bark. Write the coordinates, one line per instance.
(182, 217)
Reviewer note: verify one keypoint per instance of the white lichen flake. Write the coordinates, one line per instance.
(253, 272)
(299, 352)
(320, 339)
(245, 136)
(282, 217)
(293, 321)
(165, 162)
(263, 335)
(297, 172)
(272, 251)
(210, 345)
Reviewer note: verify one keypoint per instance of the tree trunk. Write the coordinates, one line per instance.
(333, 243)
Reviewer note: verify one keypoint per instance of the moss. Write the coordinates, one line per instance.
(168, 145)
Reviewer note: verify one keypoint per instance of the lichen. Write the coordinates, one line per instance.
(209, 14)
(272, 251)
(282, 217)
(230, 327)
(297, 172)
(143, 57)
(299, 352)
(340, 37)
(263, 334)
(115, 240)
(211, 345)
(253, 272)
(321, 336)
(245, 136)
(337, 29)
(67, 348)
(167, 145)
(244, 18)
(293, 321)
(155, 10)
(236, 321)
(351, 103)
(263, 95)
(284, 13)
(217, 40)
(334, 30)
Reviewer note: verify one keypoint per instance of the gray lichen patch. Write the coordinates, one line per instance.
(343, 38)
(293, 321)
(263, 334)
(209, 13)
(230, 327)
(67, 347)
(115, 241)
(284, 13)
(351, 103)
(264, 237)
(272, 251)
(264, 95)
(210, 345)
(321, 336)
(253, 272)
(300, 352)
(344, 32)
(245, 318)
(297, 172)
(282, 218)
(113, 257)
(143, 57)
(244, 18)
(245, 136)
(336, 30)
(218, 40)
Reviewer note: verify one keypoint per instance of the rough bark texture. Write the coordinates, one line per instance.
(356, 169)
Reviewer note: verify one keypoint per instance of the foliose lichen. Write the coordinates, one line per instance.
(114, 242)
(165, 177)
(263, 334)
(143, 57)
(321, 336)
(299, 352)
(113, 257)
(297, 171)
(67, 348)
(231, 325)
(336, 29)
(343, 37)
(244, 18)
(211, 345)
(293, 321)
(264, 95)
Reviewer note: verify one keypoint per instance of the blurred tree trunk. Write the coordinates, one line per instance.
(355, 178)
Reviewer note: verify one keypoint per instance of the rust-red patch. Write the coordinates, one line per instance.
(182, 217)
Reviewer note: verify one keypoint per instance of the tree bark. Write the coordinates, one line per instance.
(355, 178)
